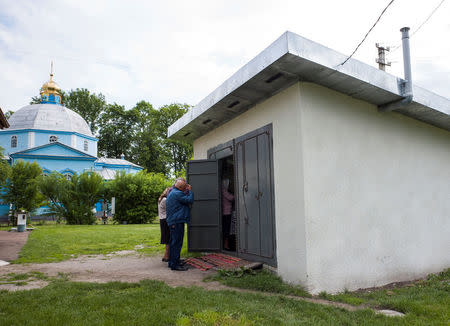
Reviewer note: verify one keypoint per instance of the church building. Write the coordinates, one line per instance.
(57, 138)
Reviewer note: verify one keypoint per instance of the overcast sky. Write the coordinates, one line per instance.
(180, 51)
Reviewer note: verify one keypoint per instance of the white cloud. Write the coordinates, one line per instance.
(180, 51)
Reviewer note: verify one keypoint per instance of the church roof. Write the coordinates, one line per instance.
(114, 161)
(49, 117)
(107, 174)
(55, 149)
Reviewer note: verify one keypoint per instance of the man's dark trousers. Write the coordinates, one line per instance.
(176, 242)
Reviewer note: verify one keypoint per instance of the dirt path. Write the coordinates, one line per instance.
(128, 266)
(11, 243)
(124, 267)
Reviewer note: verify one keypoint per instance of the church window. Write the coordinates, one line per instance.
(86, 146)
(53, 139)
(13, 141)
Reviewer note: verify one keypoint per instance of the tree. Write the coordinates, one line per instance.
(8, 114)
(177, 152)
(147, 149)
(89, 105)
(73, 199)
(117, 131)
(21, 187)
(4, 170)
(137, 195)
(151, 147)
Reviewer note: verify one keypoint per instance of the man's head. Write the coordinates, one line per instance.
(180, 184)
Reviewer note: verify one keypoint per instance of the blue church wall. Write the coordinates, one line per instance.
(92, 145)
(22, 141)
(42, 138)
(55, 149)
(4, 210)
(60, 165)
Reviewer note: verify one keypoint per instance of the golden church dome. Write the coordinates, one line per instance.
(50, 91)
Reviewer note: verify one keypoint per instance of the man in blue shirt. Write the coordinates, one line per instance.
(178, 213)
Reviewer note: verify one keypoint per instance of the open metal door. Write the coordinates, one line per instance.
(253, 156)
(204, 231)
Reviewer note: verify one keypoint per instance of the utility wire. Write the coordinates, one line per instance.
(428, 18)
(420, 26)
(379, 17)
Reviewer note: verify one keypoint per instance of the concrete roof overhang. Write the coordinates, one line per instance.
(292, 58)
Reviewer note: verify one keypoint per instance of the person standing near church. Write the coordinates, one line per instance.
(165, 231)
(178, 213)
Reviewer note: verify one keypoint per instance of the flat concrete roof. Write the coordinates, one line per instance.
(292, 58)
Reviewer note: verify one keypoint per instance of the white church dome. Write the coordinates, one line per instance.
(49, 117)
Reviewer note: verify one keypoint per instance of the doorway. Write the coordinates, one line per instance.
(247, 163)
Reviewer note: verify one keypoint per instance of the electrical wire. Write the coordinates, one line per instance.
(428, 18)
(421, 25)
(376, 22)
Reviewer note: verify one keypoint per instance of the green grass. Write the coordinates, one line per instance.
(154, 303)
(52, 243)
(263, 280)
(20, 279)
(425, 302)
(428, 298)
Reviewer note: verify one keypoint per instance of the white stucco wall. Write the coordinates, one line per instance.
(377, 193)
(362, 198)
(283, 111)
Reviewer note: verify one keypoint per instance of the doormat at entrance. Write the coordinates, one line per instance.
(215, 261)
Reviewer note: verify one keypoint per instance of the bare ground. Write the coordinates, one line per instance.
(126, 266)
(11, 243)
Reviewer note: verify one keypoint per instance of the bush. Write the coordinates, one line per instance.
(137, 196)
(73, 199)
(21, 185)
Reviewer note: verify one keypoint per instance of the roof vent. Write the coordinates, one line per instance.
(274, 77)
(233, 104)
(207, 121)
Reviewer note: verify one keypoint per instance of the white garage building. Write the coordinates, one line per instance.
(332, 187)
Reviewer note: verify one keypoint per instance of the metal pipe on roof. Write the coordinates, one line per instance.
(406, 84)
(406, 61)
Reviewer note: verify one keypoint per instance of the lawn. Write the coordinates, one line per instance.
(154, 303)
(52, 243)
(425, 302)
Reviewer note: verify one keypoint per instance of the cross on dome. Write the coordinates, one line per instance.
(50, 91)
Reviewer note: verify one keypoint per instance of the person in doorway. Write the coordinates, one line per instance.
(227, 205)
(165, 231)
(178, 213)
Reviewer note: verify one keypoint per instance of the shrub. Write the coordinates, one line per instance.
(73, 199)
(137, 196)
(4, 169)
(21, 186)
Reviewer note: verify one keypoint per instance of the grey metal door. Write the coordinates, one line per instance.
(204, 231)
(253, 155)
